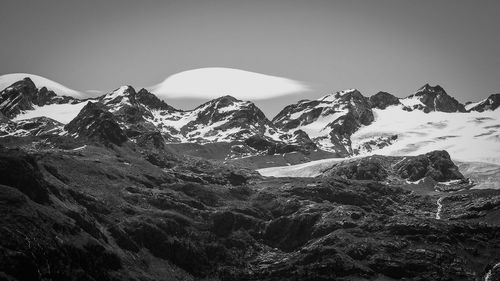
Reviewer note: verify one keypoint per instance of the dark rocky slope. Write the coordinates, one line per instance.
(491, 103)
(435, 98)
(99, 213)
(95, 122)
(382, 100)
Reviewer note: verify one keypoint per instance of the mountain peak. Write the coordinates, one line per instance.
(432, 98)
(228, 98)
(125, 90)
(382, 100)
(427, 88)
(490, 103)
(39, 82)
(340, 95)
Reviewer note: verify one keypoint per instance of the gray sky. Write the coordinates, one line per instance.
(395, 46)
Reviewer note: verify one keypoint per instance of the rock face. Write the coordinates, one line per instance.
(382, 100)
(429, 98)
(31, 127)
(329, 121)
(96, 123)
(302, 143)
(491, 103)
(435, 165)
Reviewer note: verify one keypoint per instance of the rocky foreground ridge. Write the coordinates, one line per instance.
(84, 211)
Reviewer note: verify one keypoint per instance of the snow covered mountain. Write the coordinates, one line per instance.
(40, 82)
(472, 136)
(328, 121)
(144, 118)
(342, 124)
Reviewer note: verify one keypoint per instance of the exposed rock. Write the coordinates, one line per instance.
(32, 127)
(17, 97)
(436, 165)
(113, 215)
(382, 100)
(96, 123)
(20, 170)
(434, 99)
(491, 103)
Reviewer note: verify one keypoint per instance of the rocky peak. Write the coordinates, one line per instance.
(122, 95)
(432, 98)
(491, 103)
(152, 101)
(23, 95)
(234, 111)
(382, 100)
(17, 97)
(431, 89)
(95, 122)
(329, 121)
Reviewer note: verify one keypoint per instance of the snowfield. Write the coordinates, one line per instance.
(63, 113)
(309, 169)
(472, 139)
(473, 136)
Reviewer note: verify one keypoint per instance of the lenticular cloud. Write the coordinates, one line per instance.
(215, 82)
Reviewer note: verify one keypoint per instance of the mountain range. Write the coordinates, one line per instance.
(341, 124)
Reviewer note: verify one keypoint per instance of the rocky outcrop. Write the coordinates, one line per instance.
(32, 127)
(151, 101)
(491, 103)
(94, 122)
(301, 143)
(382, 100)
(20, 170)
(433, 98)
(436, 165)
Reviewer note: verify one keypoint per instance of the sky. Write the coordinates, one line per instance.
(373, 45)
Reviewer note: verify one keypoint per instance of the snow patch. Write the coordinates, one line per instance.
(63, 113)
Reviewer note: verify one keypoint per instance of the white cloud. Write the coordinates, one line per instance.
(213, 82)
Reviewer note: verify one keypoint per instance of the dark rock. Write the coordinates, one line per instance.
(96, 123)
(436, 165)
(151, 101)
(20, 170)
(382, 100)
(436, 99)
(17, 97)
(491, 103)
(370, 168)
